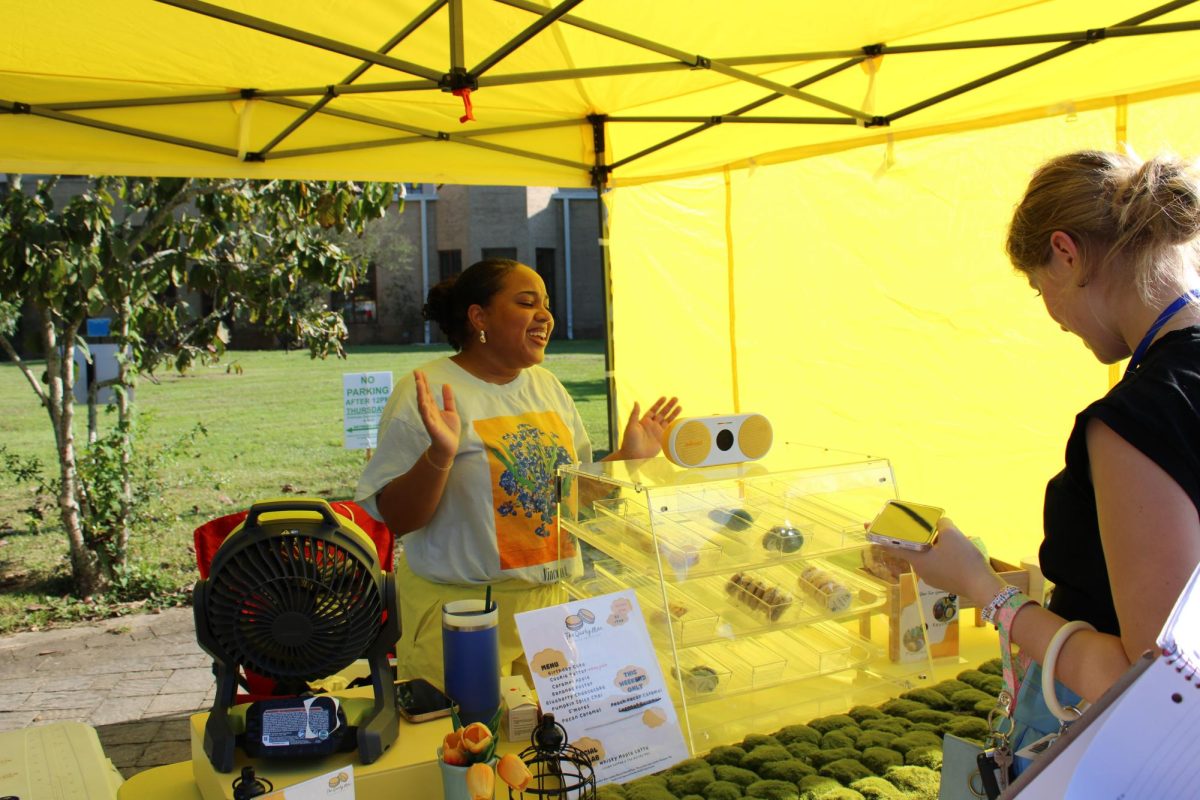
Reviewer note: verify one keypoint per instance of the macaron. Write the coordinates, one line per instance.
(783, 539)
(736, 519)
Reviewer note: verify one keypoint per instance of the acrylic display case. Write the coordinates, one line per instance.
(749, 579)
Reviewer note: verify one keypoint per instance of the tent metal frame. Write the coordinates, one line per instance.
(318, 101)
(457, 77)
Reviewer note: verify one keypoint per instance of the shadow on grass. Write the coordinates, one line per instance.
(33, 582)
(18, 575)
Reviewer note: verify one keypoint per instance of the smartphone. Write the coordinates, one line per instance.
(420, 701)
(900, 523)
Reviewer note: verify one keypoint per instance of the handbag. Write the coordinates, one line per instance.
(1044, 706)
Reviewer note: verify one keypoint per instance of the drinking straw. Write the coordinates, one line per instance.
(487, 599)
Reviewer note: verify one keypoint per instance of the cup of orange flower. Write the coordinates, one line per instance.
(469, 766)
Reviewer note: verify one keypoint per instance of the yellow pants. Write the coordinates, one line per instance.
(419, 651)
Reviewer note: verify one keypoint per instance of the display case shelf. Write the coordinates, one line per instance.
(747, 577)
(709, 537)
(784, 657)
(713, 608)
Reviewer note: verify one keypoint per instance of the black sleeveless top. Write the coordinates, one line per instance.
(1157, 410)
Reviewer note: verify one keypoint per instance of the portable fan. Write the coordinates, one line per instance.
(296, 593)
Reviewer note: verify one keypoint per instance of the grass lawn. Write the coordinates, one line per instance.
(274, 428)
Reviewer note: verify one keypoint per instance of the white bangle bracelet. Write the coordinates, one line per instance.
(1051, 661)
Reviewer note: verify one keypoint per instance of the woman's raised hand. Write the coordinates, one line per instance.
(442, 424)
(643, 432)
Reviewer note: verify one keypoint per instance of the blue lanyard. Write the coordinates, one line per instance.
(1166, 315)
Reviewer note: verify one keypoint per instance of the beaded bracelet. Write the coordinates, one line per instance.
(988, 613)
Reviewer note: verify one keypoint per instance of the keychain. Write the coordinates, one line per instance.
(996, 760)
(993, 771)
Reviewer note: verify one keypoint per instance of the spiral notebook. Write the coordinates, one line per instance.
(1141, 740)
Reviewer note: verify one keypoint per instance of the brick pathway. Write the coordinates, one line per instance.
(136, 680)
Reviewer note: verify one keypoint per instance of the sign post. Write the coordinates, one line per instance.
(364, 394)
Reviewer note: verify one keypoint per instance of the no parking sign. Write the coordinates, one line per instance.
(364, 394)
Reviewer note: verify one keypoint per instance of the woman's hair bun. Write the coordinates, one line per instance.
(448, 302)
(1158, 203)
(439, 304)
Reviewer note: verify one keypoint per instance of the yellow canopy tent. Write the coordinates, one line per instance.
(807, 200)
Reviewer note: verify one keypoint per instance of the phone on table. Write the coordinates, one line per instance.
(901, 523)
(421, 701)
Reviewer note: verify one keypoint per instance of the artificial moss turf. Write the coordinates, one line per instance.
(888, 752)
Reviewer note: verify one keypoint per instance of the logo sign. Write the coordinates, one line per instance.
(364, 394)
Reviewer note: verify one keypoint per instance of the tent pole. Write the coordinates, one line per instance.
(698, 61)
(524, 36)
(599, 178)
(1091, 37)
(357, 73)
(302, 37)
(711, 121)
(39, 111)
(458, 59)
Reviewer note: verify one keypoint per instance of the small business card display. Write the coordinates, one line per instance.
(932, 627)
(337, 784)
(594, 668)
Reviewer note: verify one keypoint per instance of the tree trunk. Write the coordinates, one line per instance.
(85, 567)
(123, 387)
(93, 418)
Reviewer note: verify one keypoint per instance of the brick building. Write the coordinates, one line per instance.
(443, 229)
(555, 231)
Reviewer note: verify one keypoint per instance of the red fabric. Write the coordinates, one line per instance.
(209, 536)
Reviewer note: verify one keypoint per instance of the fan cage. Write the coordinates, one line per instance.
(294, 605)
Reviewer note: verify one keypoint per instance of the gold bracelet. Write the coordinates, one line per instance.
(435, 466)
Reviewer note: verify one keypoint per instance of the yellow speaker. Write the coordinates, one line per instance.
(754, 437)
(708, 441)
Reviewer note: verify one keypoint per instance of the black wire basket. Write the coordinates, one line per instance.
(558, 769)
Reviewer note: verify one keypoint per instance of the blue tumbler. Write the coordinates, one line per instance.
(471, 658)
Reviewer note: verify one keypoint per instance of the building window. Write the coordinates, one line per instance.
(500, 252)
(544, 263)
(449, 263)
(360, 307)
(420, 191)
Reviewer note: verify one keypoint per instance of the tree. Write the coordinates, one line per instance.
(132, 248)
(384, 245)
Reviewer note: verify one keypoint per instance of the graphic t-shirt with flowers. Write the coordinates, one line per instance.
(496, 518)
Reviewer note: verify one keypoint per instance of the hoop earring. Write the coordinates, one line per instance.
(482, 337)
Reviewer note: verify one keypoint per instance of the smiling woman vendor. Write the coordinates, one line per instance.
(468, 482)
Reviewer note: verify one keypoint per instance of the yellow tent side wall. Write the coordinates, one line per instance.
(873, 310)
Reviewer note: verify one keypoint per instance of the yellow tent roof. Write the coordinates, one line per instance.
(810, 196)
(361, 88)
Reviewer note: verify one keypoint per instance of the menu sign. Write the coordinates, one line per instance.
(594, 668)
